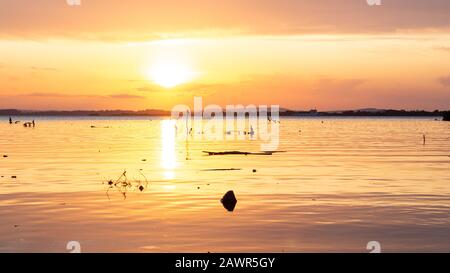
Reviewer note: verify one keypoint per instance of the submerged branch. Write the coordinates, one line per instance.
(242, 153)
(220, 170)
(123, 184)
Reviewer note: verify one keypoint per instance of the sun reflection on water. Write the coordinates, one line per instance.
(168, 160)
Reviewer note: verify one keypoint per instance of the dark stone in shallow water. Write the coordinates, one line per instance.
(446, 116)
(229, 201)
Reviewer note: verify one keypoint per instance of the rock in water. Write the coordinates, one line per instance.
(446, 116)
(229, 201)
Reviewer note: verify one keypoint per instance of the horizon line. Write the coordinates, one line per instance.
(282, 109)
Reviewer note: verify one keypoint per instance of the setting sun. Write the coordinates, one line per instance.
(170, 73)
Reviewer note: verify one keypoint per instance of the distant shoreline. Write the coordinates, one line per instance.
(283, 113)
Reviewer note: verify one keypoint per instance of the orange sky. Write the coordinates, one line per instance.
(296, 53)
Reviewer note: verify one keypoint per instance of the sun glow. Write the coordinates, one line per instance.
(170, 73)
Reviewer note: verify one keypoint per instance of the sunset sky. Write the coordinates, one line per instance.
(300, 54)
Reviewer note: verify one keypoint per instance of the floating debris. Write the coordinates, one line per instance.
(220, 170)
(28, 124)
(122, 184)
(446, 116)
(229, 201)
(242, 153)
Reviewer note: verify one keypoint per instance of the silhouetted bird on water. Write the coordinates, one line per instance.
(30, 124)
(10, 120)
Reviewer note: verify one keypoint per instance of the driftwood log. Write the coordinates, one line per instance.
(242, 153)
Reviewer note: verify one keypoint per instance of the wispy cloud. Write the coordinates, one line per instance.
(197, 88)
(126, 96)
(115, 20)
(338, 85)
(445, 80)
(148, 89)
(59, 95)
(443, 48)
(43, 68)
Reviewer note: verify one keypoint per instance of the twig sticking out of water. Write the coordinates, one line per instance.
(123, 184)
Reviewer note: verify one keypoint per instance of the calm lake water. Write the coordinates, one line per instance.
(340, 184)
